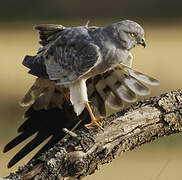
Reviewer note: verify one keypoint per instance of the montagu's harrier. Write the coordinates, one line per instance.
(70, 56)
(66, 59)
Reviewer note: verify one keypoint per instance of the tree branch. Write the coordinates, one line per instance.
(80, 154)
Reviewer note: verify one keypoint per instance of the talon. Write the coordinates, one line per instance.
(94, 122)
(100, 119)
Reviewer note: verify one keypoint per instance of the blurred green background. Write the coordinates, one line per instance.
(162, 59)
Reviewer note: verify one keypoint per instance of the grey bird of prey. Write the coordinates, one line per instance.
(111, 80)
(69, 57)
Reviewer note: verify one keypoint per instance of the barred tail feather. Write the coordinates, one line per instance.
(126, 94)
(133, 84)
(113, 101)
(143, 77)
(123, 84)
(110, 98)
(115, 82)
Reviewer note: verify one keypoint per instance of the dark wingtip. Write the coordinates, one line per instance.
(36, 66)
(26, 61)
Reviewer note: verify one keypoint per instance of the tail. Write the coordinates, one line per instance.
(36, 66)
(123, 84)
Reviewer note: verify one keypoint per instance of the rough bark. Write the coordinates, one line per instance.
(81, 153)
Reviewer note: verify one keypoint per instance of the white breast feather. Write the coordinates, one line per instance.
(78, 95)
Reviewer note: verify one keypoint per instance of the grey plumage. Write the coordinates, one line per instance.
(66, 59)
(70, 56)
(79, 49)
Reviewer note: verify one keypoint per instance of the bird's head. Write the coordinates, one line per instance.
(130, 34)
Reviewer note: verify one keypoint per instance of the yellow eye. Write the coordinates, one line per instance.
(133, 34)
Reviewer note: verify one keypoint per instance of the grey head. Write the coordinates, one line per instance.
(129, 34)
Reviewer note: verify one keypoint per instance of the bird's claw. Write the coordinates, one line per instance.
(95, 123)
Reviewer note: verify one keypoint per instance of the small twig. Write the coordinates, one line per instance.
(70, 133)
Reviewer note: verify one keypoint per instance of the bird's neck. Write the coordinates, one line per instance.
(113, 34)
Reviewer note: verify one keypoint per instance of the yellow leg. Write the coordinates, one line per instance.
(94, 122)
(67, 95)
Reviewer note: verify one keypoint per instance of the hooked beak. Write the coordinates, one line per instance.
(142, 42)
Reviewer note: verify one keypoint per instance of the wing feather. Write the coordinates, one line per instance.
(120, 89)
(67, 54)
(71, 56)
(110, 98)
(122, 84)
(39, 88)
(135, 85)
(48, 32)
(143, 77)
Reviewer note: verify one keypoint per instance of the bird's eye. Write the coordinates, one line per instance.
(133, 34)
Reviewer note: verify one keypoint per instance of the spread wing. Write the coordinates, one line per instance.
(47, 100)
(67, 54)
